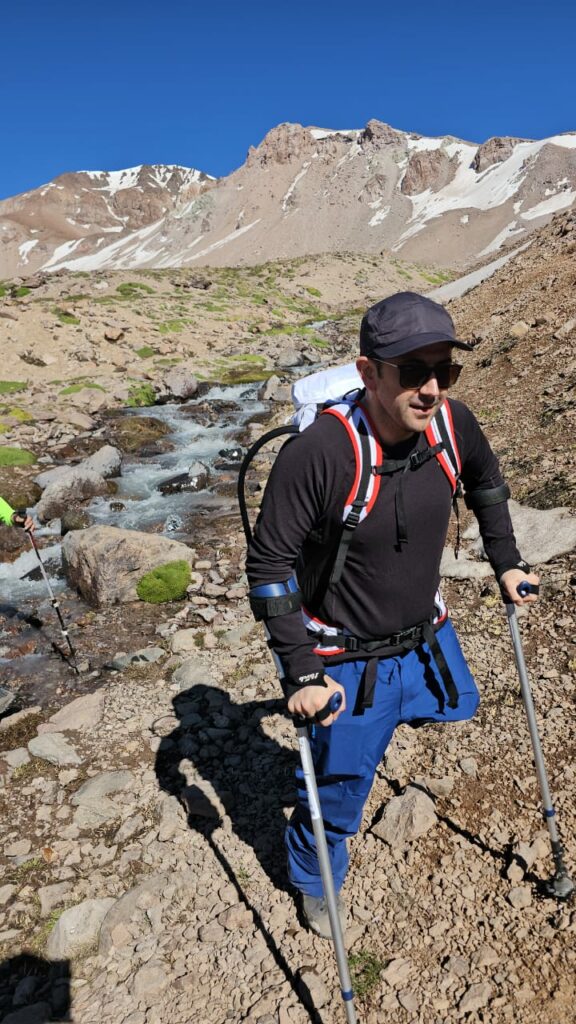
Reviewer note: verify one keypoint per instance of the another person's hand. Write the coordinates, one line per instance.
(26, 522)
(510, 580)
(311, 699)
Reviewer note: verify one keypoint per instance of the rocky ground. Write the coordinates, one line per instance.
(143, 875)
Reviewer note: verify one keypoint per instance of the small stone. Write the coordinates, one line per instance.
(476, 997)
(520, 897)
(469, 766)
(19, 849)
(236, 918)
(397, 972)
(16, 758)
(6, 894)
(54, 747)
(51, 896)
(150, 982)
(312, 987)
(212, 932)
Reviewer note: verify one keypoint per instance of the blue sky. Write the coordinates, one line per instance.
(109, 85)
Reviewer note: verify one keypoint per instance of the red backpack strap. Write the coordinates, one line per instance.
(441, 430)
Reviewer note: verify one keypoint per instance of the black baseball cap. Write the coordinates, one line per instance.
(404, 322)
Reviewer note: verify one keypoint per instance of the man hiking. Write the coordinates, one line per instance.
(344, 567)
(12, 518)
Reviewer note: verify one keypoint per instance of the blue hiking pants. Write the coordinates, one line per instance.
(346, 754)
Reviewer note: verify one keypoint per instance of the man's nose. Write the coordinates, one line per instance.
(430, 387)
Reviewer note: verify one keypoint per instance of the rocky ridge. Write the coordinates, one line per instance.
(442, 200)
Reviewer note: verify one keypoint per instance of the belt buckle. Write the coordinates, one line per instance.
(351, 644)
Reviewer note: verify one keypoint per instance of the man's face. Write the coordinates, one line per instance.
(402, 411)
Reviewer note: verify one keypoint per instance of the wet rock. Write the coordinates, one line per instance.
(105, 563)
(180, 383)
(406, 817)
(77, 930)
(196, 479)
(55, 748)
(78, 485)
(7, 699)
(136, 433)
(74, 519)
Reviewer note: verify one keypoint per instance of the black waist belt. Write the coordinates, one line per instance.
(388, 647)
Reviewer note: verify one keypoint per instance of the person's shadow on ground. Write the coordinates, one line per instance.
(34, 989)
(251, 773)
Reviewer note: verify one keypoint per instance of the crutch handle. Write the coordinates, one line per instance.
(526, 588)
(329, 709)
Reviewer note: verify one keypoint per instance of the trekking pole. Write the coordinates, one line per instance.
(323, 855)
(560, 885)
(55, 604)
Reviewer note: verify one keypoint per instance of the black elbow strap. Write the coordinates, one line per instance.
(486, 496)
(273, 599)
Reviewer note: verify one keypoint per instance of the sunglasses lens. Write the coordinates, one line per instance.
(414, 375)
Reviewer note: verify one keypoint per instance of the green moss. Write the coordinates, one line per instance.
(131, 288)
(8, 387)
(168, 362)
(145, 352)
(365, 968)
(19, 293)
(73, 389)
(64, 317)
(315, 292)
(16, 457)
(166, 583)
(171, 326)
(141, 395)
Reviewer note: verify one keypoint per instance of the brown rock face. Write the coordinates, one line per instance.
(493, 151)
(379, 133)
(431, 169)
(284, 144)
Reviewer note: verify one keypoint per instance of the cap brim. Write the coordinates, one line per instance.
(411, 344)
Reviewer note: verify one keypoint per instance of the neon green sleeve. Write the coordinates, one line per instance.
(6, 512)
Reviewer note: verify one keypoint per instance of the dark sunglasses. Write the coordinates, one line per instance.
(415, 375)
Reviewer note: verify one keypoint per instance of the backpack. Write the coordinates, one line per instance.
(336, 392)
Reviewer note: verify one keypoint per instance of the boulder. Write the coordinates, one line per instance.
(83, 713)
(78, 485)
(106, 461)
(106, 563)
(180, 383)
(77, 930)
(542, 534)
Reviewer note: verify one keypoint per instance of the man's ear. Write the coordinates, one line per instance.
(368, 372)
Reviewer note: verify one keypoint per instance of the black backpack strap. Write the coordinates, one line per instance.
(359, 502)
(447, 678)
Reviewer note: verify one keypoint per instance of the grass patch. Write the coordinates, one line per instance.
(168, 362)
(16, 413)
(171, 326)
(130, 289)
(64, 317)
(18, 735)
(73, 389)
(315, 292)
(20, 292)
(16, 457)
(365, 968)
(145, 352)
(166, 583)
(9, 387)
(141, 395)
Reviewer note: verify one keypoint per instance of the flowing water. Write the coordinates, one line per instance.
(199, 430)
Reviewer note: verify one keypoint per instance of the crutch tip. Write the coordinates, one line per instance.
(560, 886)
